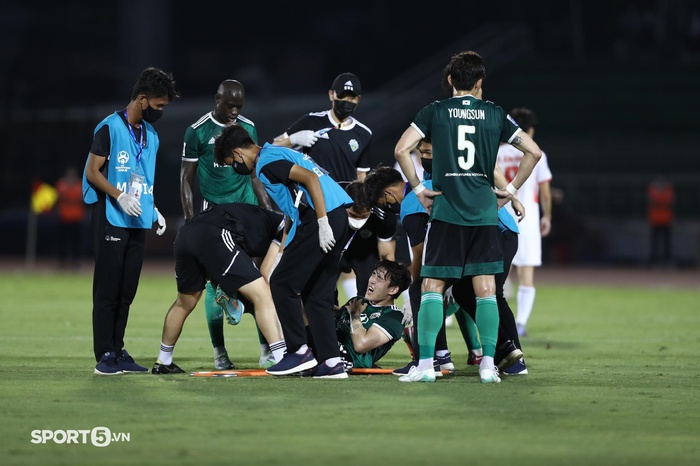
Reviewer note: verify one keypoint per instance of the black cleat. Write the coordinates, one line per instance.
(161, 369)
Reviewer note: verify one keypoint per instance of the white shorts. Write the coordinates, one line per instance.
(529, 240)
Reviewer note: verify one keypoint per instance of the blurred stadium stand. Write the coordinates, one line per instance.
(614, 111)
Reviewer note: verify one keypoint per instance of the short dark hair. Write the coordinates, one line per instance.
(524, 117)
(397, 274)
(378, 180)
(466, 68)
(231, 137)
(155, 82)
(356, 190)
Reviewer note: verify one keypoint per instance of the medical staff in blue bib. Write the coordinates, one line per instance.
(309, 268)
(118, 181)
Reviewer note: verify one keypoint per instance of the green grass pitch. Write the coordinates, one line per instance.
(614, 380)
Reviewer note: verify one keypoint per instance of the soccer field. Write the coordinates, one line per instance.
(613, 380)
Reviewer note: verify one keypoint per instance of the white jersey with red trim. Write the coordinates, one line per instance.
(530, 238)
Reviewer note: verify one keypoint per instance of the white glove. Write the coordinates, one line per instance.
(129, 204)
(161, 223)
(304, 138)
(325, 234)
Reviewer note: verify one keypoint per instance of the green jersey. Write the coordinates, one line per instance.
(386, 318)
(465, 133)
(218, 184)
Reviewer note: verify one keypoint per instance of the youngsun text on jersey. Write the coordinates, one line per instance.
(467, 113)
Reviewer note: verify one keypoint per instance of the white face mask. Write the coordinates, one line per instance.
(357, 223)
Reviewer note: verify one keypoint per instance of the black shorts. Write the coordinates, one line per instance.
(202, 252)
(456, 251)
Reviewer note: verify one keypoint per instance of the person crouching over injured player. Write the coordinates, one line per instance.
(367, 327)
(218, 244)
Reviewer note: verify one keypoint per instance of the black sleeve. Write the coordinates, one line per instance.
(277, 171)
(364, 161)
(386, 227)
(415, 226)
(101, 143)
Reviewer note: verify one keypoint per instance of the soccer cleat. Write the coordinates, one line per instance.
(474, 359)
(323, 371)
(161, 369)
(512, 355)
(266, 360)
(445, 363)
(417, 375)
(233, 308)
(293, 362)
(108, 365)
(404, 370)
(223, 363)
(519, 368)
(489, 375)
(127, 364)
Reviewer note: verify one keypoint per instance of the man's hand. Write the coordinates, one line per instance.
(161, 223)
(129, 204)
(545, 226)
(518, 208)
(304, 138)
(325, 235)
(426, 197)
(355, 307)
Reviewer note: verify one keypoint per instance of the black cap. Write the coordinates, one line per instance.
(346, 83)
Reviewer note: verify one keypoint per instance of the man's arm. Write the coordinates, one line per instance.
(386, 249)
(531, 155)
(546, 205)
(363, 340)
(95, 176)
(260, 193)
(188, 170)
(310, 181)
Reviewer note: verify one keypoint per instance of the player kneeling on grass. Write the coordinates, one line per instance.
(367, 327)
(218, 244)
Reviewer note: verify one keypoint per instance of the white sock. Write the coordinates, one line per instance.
(278, 349)
(526, 299)
(441, 353)
(166, 354)
(487, 363)
(303, 349)
(330, 362)
(350, 287)
(219, 350)
(425, 364)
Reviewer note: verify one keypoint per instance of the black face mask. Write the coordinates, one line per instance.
(394, 208)
(427, 165)
(241, 168)
(343, 108)
(150, 114)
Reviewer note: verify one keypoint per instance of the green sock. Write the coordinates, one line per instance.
(469, 331)
(215, 317)
(487, 321)
(261, 337)
(430, 319)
